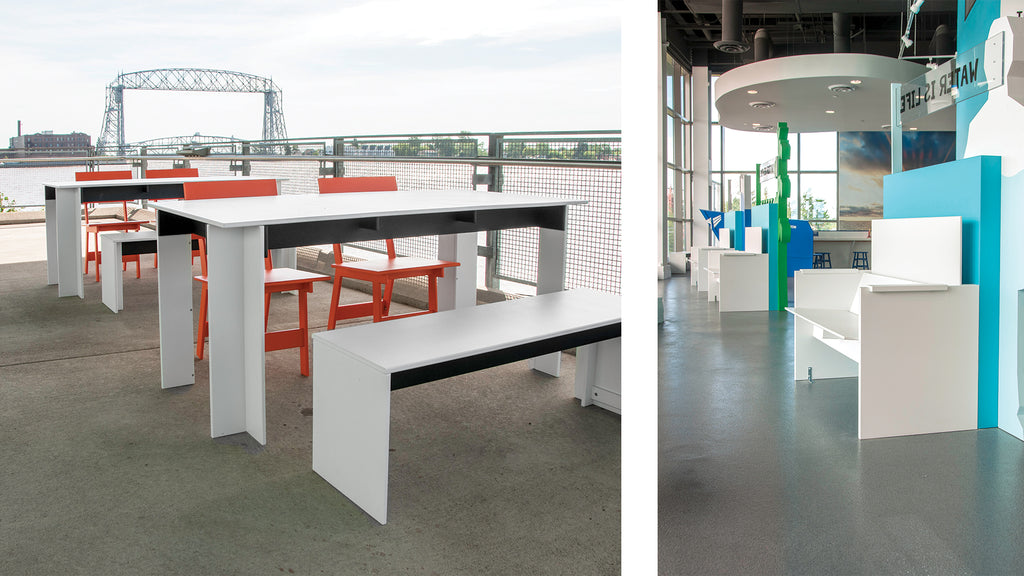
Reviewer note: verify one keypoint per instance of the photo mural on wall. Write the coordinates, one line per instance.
(864, 158)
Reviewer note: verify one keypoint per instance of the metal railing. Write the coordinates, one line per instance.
(579, 165)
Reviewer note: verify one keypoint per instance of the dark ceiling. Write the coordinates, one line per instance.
(801, 27)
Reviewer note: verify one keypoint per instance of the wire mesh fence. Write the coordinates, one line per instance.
(581, 166)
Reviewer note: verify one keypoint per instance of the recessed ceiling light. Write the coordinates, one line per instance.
(751, 91)
(841, 88)
(830, 111)
(756, 124)
(767, 128)
(913, 128)
(855, 82)
(762, 105)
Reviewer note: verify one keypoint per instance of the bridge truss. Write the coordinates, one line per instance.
(187, 80)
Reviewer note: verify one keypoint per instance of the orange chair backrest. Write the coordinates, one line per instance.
(229, 189)
(104, 175)
(358, 184)
(172, 173)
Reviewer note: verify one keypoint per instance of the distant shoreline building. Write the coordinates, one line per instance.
(46, 143)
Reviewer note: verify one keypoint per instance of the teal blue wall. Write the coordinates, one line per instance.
(970, 32)
(970, 189)
(766, 216)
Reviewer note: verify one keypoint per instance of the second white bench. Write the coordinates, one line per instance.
(355, 369)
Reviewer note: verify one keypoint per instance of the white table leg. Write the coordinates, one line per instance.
(69, 242)
(550, 278)
(112, 287)
(457, 288)
(52, 268)
(174, 277)
(351, 428)
(237, 373)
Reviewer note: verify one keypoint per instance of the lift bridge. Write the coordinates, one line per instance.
(187, 80)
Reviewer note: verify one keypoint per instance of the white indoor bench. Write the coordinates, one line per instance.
(907, 329)
(356, 368)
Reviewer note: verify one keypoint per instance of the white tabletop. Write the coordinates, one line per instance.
(432, 338)
(296, 208)
(151, 181)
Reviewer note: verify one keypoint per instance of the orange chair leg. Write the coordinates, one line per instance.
(388, 288)
(266, 310)
(378, 305)
(335, 296)
(86, 252)
(203, 328)
(304, 332)
(432, 293)
(98, 255)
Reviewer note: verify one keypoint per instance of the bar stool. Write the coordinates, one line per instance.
(860, 260)
(821, 259)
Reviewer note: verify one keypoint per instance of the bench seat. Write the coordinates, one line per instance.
(356, 368)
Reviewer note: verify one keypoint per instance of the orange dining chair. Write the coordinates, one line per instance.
(381, 273)
(274, 279)
(94, 229)
(173, 173)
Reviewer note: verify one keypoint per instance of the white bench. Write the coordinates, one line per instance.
(113, 246)
(355, 369)
(912, 342)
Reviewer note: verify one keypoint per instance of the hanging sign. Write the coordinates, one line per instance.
(972, 72)
(768, 173)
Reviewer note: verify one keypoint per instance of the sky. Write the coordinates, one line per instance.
(349, 67)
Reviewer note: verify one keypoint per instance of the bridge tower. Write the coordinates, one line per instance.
(188, 80)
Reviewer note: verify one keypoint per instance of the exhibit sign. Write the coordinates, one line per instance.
(973, 72)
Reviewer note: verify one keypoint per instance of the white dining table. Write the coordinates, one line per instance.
(63, 203)
(238, 230)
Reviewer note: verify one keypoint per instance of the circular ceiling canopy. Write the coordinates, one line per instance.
(819, 93)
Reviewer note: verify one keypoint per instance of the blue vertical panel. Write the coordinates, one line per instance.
(734, 221)
(968, 188)
(800, 253)
(766, 216)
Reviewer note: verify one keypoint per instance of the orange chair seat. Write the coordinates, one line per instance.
(275, 280)
(400, 267)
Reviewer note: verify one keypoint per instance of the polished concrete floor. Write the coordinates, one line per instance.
(103, 472)
(759, 474)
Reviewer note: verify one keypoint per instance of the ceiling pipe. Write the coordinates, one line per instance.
(944, 41)
(840, 33)
(732, 28)
(762, 45)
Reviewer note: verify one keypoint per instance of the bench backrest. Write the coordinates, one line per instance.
(927, 250)
(172, 173)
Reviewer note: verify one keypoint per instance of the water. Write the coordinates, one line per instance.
(24, 185)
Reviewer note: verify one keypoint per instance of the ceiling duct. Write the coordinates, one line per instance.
(732, 28)
(762, 45)
(840, 32)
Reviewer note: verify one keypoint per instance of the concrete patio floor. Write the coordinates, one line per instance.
(103, 472)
